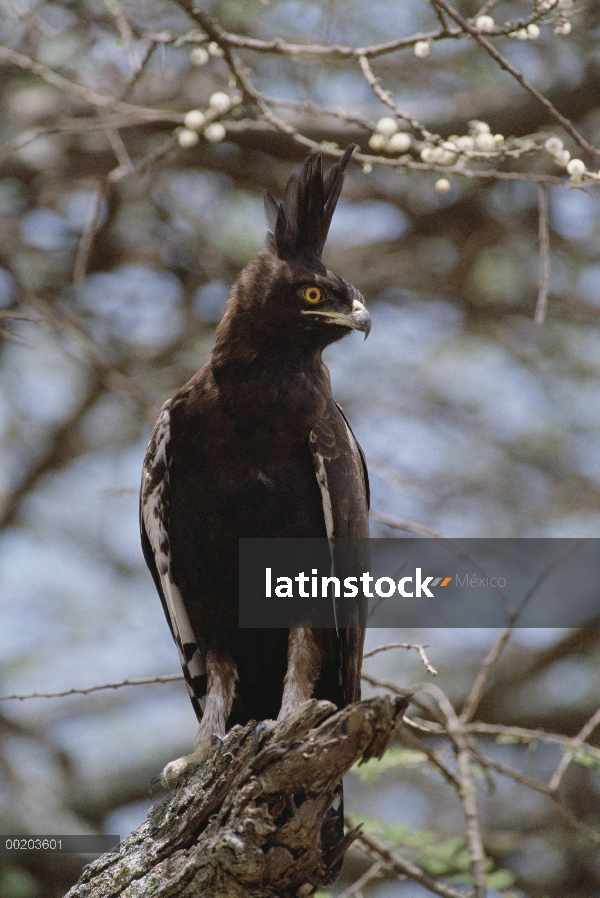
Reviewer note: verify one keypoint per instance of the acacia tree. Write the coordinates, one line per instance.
(135, 141)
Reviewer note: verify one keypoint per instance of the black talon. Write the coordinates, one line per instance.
(153, 782)
(257, 732)
(216, 738)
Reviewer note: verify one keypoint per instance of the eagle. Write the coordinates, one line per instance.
(255, 446)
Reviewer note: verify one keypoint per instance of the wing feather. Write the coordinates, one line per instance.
(341, 472)
(154, 526)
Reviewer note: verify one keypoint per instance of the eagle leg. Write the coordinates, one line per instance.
(303, 665)
(221, 675)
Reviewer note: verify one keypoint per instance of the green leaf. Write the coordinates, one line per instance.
(586, 758)
(500, 879)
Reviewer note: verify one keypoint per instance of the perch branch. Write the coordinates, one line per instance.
(249, 823)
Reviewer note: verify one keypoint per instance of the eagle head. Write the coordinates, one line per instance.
(286, 296)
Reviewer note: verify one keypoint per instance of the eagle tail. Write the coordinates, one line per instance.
(332, 836)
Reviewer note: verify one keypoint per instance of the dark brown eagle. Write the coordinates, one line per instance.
(255, 446)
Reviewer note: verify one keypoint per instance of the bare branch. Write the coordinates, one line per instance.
(404, 645)
(77, 91)
(87, 235)
(522, 734)
(403, 867)
(278, 46)
(356, 887)
(386, 98)
(467, 792)
(542, 788)
(143, 681)
(410, 526)
(506, 65)
(544, 239)
(119, 149)
(126, 33)
(415, 742)
(568, 756)
(476, 694)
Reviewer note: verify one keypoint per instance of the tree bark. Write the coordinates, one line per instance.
(247, 824)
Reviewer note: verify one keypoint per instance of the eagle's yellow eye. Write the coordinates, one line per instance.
(312, 294)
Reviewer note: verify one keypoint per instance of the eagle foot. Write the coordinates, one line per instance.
(175, 771)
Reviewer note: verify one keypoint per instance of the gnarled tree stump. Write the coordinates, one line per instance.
(232, 830)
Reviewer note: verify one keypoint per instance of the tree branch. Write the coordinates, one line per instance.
(249, 824)
(508, 67)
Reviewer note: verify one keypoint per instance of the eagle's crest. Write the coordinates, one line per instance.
(299, 226)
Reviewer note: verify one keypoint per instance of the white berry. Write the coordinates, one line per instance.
(215, 132)
(399, 142)
(443, 157)
(422, 49)
(214, 49)
(576, 168)
(377, 141)
(485, 142)
(562, 158)
(465, 142)
(187, 138)
(533, 31)
(553, 145)
(220, 101)
(194, 120)
(485, 23)
(442, 185)
(386, 126)
(199, 56)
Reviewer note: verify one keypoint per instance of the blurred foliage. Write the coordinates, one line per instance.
(117, 247)
(394, 757)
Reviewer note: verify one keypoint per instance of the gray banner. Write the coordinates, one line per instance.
(88, 844)
(420, 582)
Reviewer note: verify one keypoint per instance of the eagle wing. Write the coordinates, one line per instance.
(343, 479)
(154, 526)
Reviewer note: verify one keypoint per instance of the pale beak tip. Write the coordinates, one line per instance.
(361, 318)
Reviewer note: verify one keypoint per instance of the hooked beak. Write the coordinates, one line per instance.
(359, 319)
